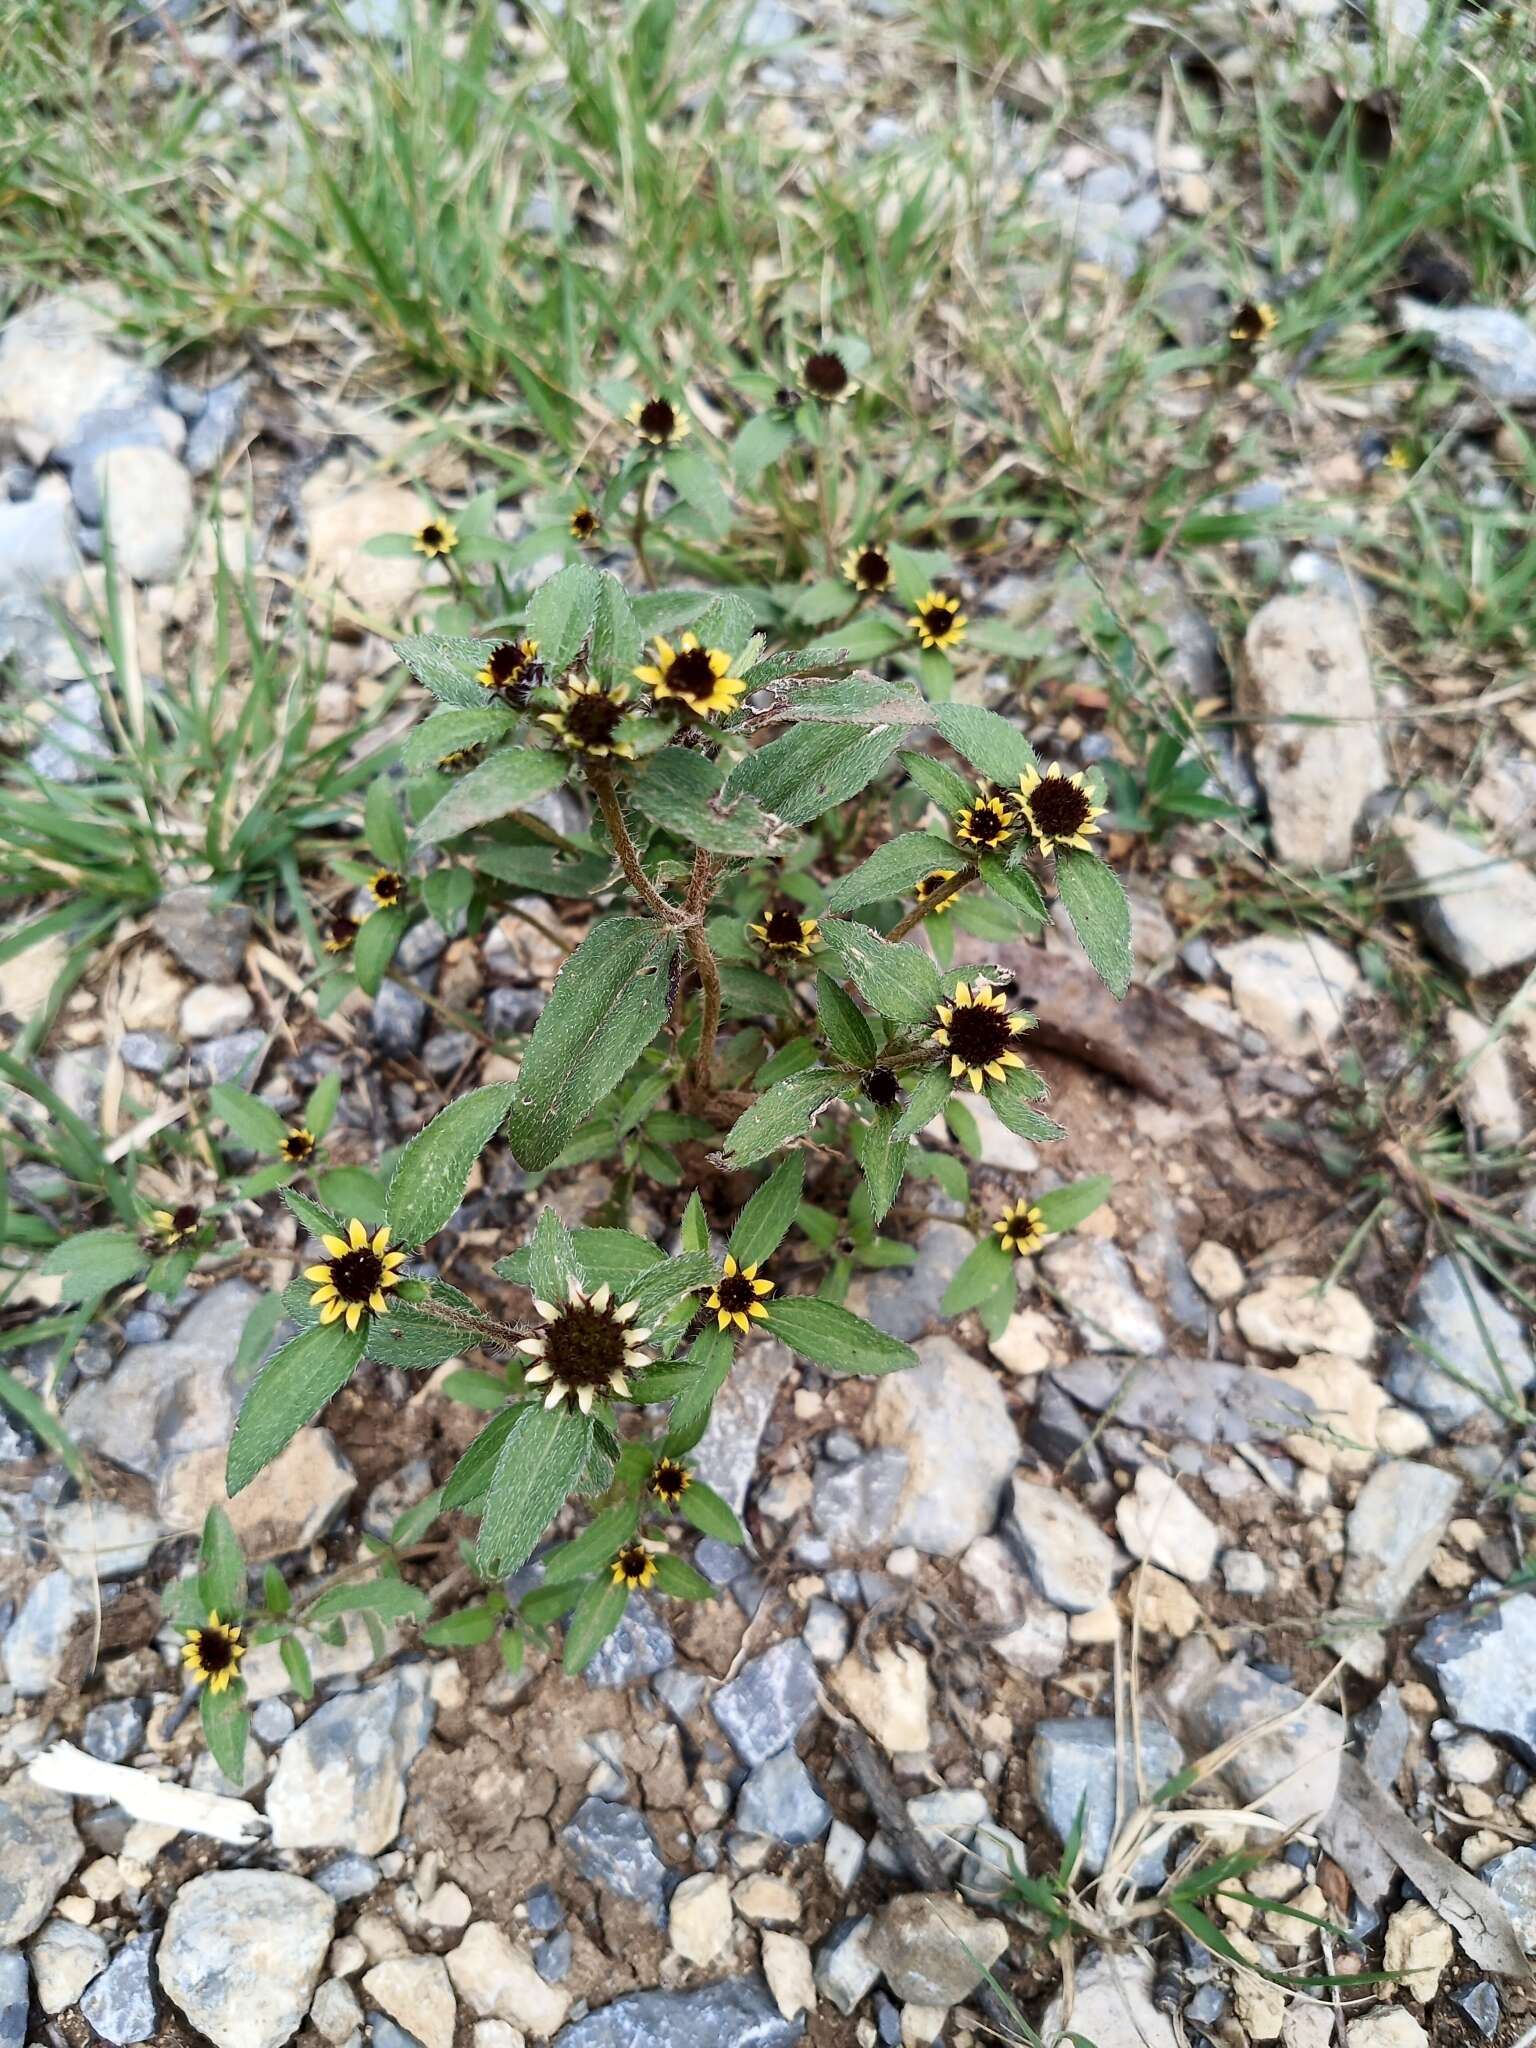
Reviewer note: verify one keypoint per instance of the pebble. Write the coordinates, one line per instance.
(215, 1009)
(1456, 1317)
(340, 1778)
(1027, 1344)
(552, 1958)
(949, 1417)
(1031, 1633)
(114, 1732)
(499, 1980)
(889, 1695)
(905, 1300)
(1244, 1573)
(1112, 2005)
(846, 1972)
(207, 937)
(1420, 1946)
(545, 1913)
(73, 740)
(1293, 1313)
(1478, 913)
(826, 1631)
(235, 1058)
(398, 1020)
(1387, 2027)
(1488, 1098)
(1109, 1310)
(1485, 1665)
(1072, 1765)
(1159, 1522)
(932, 1949)
(57, 366)
(614, 1847)
(699, 1918)
(770, 1699)
(855, 1505)
(1065, 1551)
(345, 1878)
(845, 1853)
(738, 2013)
(120, 2004)
(14, 1999)
(1396, 1525)
(787, 1967)
(765, 1901)
(147, 497)
(335, 2014)
(1290, 1766)
(1492, 346)
(65, 1959)
(217, 425)
(38, 1641)
(1294, 991)
(639, 1647)
(148, 1052)
(726, 1456)
(1479, 2006)
(242, 1953)
(415, 1992)
(780, 1800)
(101, 1539)
(1216, 1271)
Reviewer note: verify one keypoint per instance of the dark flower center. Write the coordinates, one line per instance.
(873, 569)
(978, 1036)
(691, 674)
(657, 417)
(343, 931)
(786, 398)
(584, 1347)
(592, 720)
(669, 1481)
(882, 1088)
(432, 536)
(1248, 324)
(215, 1651)
(987, 824)
(783, 928)
(298, 1145)
(1058, 807)
(938, 618)
(356, 1274)
(584, 522)
(184, 1218)
(735, 1292)
(386, 887)
(826, 374)
(632, 1564)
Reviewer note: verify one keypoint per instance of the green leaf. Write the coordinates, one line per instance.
(787, 1110)
(388, 1599)
(694, 1230)
(274, 1592)
(893, 869)
(748, 992)
(979, 1274)
(592, 1256)
(833, 1337)
(663, 1285)
(290, 1390)
(254, 1122)
(463, 1630)
(413, 1341)
(597, 1544)
(447, 666)
(844, 1025)
(711, 1353)
(296, 1663)
(95, 1262)
(561, 614)
(553, 1261)
(695, 479)
(897, 981)
(930, 1092)
(862, 699)
(226, 1723)
(374, 947)
(882, 1156)
(938, 782)
(221, 1567)
(995, 748)
(616, 642)
(764, 1221)
(726, 622)
(320, 1110)
(382, 828)
(1013, 1100)
(809, 769)
(448, 892)
(760, 444)
(318, 1220)
(432, 1172)
(1100, 915)
(597, 1614)
(914, 571)
(608, 1002)
(1065, 1208)
(682, 792)
(450, 732)
(353, 1189)
(711, 1515)
(548, 1603)
(1016, 886)
(507, 782)
(470, 1479)
(542, 1457)
(680, 1581)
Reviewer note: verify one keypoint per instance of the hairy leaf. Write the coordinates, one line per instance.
(1100, 914)
(503, 784)
(833, 1337)
(897, 981)
(290, 1390)
(432, 1172)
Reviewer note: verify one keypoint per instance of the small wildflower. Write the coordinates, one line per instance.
(1058, 809)
(1399, 456)
(512, 671)
(670, 1481)
(1253, 322)
(786, 398)
(693, 675)
(461, 760)
(356, 1276)
(938, 620)
(658, 421)
(589, 720)
(930, 885)
(585, 1348)
(827, 377)
(634, 1567)
(737, 1296)
(987, 821)
(882, 1087)
(585, 525)
(437, 537)
(785, 931)
(386, 888)
(1020, 1229)
(977, 1030)
(298, 1145)
(212, 1653)
(174, 1226)
(868, 568)
(340, 933)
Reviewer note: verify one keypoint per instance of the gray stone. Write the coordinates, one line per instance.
(147, 499)
(114, 1732)
(143, 426)
(1201, 1399)
(1455, 1321)
(236, 1057)
(38, 1850)
(905, 1300)
(38, 1640)
(613, 1846)
(37, 549)
(933, 1949)
(15, 1997)
(120, 2004)
(217, 426)
(208, 938)
(512, 1012)
(57, 365)
(1492, 346)
(169, 1399)
(422, 944)
(384, 2032)
(1290, 1770)
(1394, 1529)
(1479, 2006)
(949, 1417)
(273, 1722)
(988, 1866)
(1073, 1763)
(1477, 912)
(739, 2013)
(826, 1630)
(846, 1972)
(73, 740)
(545, 1912)
(1024, 1629)
(391, 1498)
(145, 1326)
(148, 1052)
(639, 1647)
(1066, 1553)
(1103, 1300)
(769, 1700)
(1485, 1666)
(1112, 2005)
(1512, 1879)
(242, 1953)
(65, 1958)
(725, 1457)
(399, 1019)
(552, 1958)
(445, 1052)
(350, 1877)
(948, 1820)
(340, 1778)
(780, 1799)
(101, 1539)
(854, 1506)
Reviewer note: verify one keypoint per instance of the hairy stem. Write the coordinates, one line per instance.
(486, 1328)
(919, 911)
(703, 956)
(624, 847)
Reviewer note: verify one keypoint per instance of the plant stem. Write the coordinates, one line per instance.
(624, 847)
(486, 1328)
(919, 911)
(703, 957)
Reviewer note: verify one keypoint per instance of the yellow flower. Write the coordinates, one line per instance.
(784, 931)
(386, 888)
(977, 1031)
(212, 1653)
(634, 1567)
(658, 421)
(987, 821)
(1253, 322)
(737, 1296)
(586, 1347)
(340, 934)
(356, 1276)
(585, 525)
(589, 720)
(1399, 456)
(437, 537)
(1021, 1229)
(298, 1145)
(511, 669)
(867, 568)
(461, 760)
(175, 1226)
(938, 620)
(693, 675)
(670, 1481)
(930, 885)
(1058, 808)
(826, 376)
